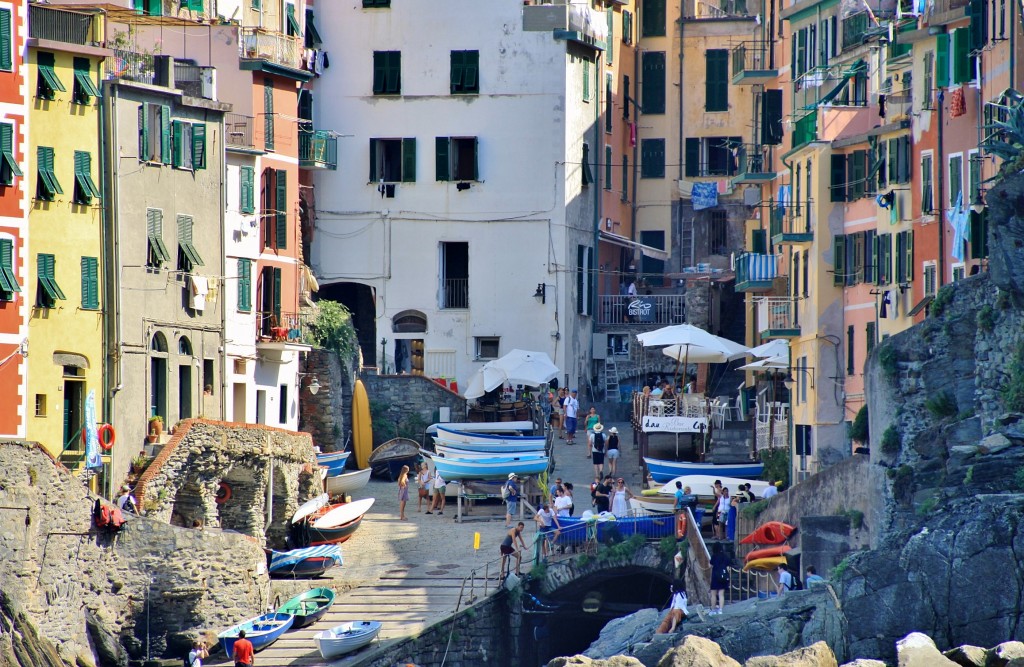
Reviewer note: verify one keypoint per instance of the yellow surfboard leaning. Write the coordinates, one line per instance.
(362, 428)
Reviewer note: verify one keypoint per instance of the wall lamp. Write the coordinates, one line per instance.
(541, 293)
(978, 205)
(789, 381)
(314, 384)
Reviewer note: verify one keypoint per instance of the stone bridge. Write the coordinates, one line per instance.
(607, 563)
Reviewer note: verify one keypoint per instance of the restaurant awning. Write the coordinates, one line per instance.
(622, 241)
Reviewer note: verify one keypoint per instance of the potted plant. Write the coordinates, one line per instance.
(156, 427)
(139, 463)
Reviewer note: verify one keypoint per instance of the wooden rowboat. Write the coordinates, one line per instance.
(262, 631)
(348, 482)
(333, 524)
(308, 607)
(388, 459)
(303, 563)
(346, 638)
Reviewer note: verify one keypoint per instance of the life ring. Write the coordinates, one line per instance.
(223, 493)
(107, 437)
(681, 525)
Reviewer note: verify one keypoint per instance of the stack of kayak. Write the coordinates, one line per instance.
(771, 537)
(466, 455)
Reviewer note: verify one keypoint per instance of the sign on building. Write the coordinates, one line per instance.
(641, 309)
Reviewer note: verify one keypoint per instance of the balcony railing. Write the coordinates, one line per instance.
(275, 47)
(714, 9)
(140, 67)
(805, 130)
(455, 293)
(790, 223)
(238, 131)
(647, 309)
(752, 165)
(751, 63)
(777, 317)
(755, 272)
(184, 75)
(899, 103)
(60, 25)
(854, 28)
(318, 149)
(772, 425)
(275, 327)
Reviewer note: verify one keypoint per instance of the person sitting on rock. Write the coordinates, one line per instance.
(677, 610)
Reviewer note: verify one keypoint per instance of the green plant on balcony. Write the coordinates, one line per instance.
(1005, 138)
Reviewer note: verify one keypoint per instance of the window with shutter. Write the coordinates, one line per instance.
(625, 177)
(198, 146)
(8, 280)
(409, 160)
(653, 83)
(771, 117)
(837, 179)
(268, 113)
(759, 242)
(963, 62)
(387, 72)
(442, 158)
(693, 166)
(6, 40)
(942, 60)
(870, 256)
(48, 291)
(244, 285)
(156, 251)
(281, 208)
(90, 284)
(246, 199)
(165, 133)
(465, 72)
(587, 174)
(652, 17)
(716, 80)
(956, 179)
(652, 158)
(47, 185)
(8, 165)
(901, 255)
(609, 42)
(858, 174)
(47, 81)
(277, 296)
(312, 36)
(85, 187)
(292, 27)
(608, 106)
(188, 256)
(927, 193)
(586, 80)
(979, 234)
(839, 259)
(84, 89)
(607, 167)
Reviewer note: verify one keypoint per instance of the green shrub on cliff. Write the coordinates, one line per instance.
(776, 465)
(859, 427)
(889, 361)
(332, 329)
(1013, 390)
(890, 441)
(942, 299)
(986, 318)
(942, 405)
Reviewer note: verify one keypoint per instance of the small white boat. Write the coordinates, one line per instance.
(485, 438)
(494, 450)
(346, 638)
(350, 481)
(310, 506)
(452, 452)
(701, 485)
(661, 504)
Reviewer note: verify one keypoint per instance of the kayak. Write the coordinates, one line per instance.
(768, 552)
(765, 563)
(773, 532)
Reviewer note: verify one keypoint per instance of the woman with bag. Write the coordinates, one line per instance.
(438, 484)
(422, 483)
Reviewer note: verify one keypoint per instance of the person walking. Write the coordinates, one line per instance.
(243, 652)
(511, 495)
(595, 440)
(508, 548)
(719, 577)
(572, 409)
(403, 492)
(438, 484)
(563, 396)
(422, 484)
(593, 419)
(198, 653)
(548, 528)
(785, 583)
(612, 449)
(126, 501)
(620, 499)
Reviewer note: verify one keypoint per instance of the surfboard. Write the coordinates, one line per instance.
(765, 563)
(362, 428)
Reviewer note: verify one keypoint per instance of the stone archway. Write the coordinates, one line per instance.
(282, 510)
(188, 505)
(240, 502)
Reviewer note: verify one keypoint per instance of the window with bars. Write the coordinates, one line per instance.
(465, 72)
(47, 185)
(718, 233)
(156, 250)
(48, 292)
(387, 72)
(47, 81)
(188, 256)
(85, 187)
(8, 280)
(90, 284)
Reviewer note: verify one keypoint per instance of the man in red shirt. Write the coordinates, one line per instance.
(243, 653)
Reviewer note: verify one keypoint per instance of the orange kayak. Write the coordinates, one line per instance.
(768, 553)
(773, 532)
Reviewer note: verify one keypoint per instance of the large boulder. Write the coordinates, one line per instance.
(918, 650)
(697, 652)
(815, 655)
(1006, 234)
(968, 656)
(619, 636)
(20, 643)
(584, 661)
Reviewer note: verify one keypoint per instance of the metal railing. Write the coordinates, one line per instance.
(793, 218)
(280, 327)
(317, 148)
(756, 267)
(273, 46)
(714, 9)
(60, 25)
(647, 309)
(751, 160)
(238, 130)
(140, 67)
(899, 103)
(805, 130)
(771, 430)
(776, 313)
(753, 56)
(854, 28)
(455, 293)
(695, 406)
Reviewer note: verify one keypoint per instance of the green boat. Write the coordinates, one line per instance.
(308, 607)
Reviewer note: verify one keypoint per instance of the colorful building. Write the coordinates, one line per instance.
(65, 228)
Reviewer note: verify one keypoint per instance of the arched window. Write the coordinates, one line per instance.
(409, 321)
(159, 343)
(184, 347)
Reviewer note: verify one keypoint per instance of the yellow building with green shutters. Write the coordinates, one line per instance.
(64, 259)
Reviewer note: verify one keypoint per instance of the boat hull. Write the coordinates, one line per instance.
(262, 631)
(665, 471)
(496, 439)
(346, 638)
(454, 468)
(307, 568)
(308, 607)
(702, 486)
(316, 537)
(474, 454)
(492, 449)
(348, 482)
(388, 459)
(335, 464)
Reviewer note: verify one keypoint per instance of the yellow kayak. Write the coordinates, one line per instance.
(765, 563)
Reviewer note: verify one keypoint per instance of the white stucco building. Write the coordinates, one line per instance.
(460, 190)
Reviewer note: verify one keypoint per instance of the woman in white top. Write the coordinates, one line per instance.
(620, 498)
(422, 482)
(197, 654)
(722, 508)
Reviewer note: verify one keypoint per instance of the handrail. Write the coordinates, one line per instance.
(77, 438)
(749, 585)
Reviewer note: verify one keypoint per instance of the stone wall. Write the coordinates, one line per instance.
(77, 584)
(405, 396)
(238, 461)
(325, 415)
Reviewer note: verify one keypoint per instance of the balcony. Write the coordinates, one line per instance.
(854, 29)
(899, 105)
(751, 63)
(805, 130)
(318, 149)
(790, 224)
(777, 317)
(280, 332)
(714, 9)
(274, 47)
(569, 21)
(238, 132)
(455, 293)
(184, 75)
(752, 163)
(60, 25)
(755, 272)
(639, 310)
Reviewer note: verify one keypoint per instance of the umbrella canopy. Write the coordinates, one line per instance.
(778, 347)
(682, 334)
(769, 364)
(726, 350)
(516, 367)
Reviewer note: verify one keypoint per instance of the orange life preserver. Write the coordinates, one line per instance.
(680, 525)
(223, 493)
(107, 437)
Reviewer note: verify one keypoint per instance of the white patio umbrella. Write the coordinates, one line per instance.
(726, 350)
(682, 334)
(516, 367)
(778, 347)
(485, 379)
(769, 364)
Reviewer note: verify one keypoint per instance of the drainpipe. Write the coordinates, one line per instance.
(637, 54)
(598, 188)
(939, 198)
(679, 166)
(111, 260)
(223, 347)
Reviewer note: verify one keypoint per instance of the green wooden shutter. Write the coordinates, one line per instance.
(716, 80)
(837, 180)
(442, 158)
(380, 72)
(244, 285)
(8, 281)
(199, 145)
(653, 83)
(393, 85)
(6, 59)
(901, 258)
(653, 18)
(942, 60)
(857, 175)
(281, 206)
(839, 259)
(588, 176)
(609, 45)
(165, 134)
(586, 80)
(457, 71)
(908, 247)
(692, 157)
(144, 131)
(268, 113)
(771, 117)
(607, 167)
(476, 158)
(580, 283)
(979, 234)
(90, 286)
(277, 295)
(373, 160)
(759, 242)
(409, 160)
(963, 69)
(176, 137)
(652, 158)
(246, 197)
(978, 11)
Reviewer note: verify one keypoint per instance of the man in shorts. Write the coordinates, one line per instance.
(572, 408)
(508, 548)
(548, 528)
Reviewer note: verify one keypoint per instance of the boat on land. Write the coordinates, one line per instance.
(310, 506)
(769, 552)
(702, 486)
(332, 524)
(485, 468)
(764, 564)
(304, 563)
(308, 607)
(262, 631)
(665, 471)
(773, 532)
(492, 449)
(334, 462)
(388, 459)
(456, 435)
(347, 482)
(452, 453)
(345, 638)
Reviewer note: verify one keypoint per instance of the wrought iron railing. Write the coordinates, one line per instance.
(273, 46)
(790, 218)
(455, 293)
(648, 309)
(317, 148)
(280, 327)
(754, 56)
(60, 25)
(140, 67)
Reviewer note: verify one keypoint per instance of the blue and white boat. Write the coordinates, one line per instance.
(665, 471)
(486, 468)
(334, 462)
(452, 453)
(309, 562)
(262, 631)
(486, 438)
(489, 449)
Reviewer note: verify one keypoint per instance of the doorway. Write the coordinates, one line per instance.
(158, 376)
(261, 406)
(74, 404)
(409, 356)
(238, 406)
(184, 391)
